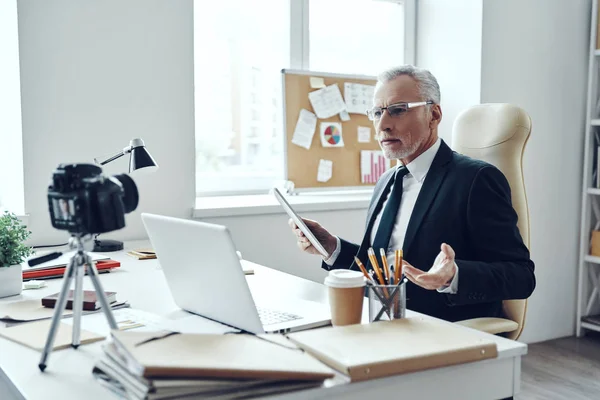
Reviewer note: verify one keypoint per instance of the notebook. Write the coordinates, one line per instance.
(90, 300)
(386, 348)
(164, 354)
(34, 335)
(58, 272)
(32, 310)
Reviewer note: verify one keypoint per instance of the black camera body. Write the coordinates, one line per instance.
(82, 200)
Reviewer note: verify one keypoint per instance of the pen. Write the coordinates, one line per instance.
(373, 259)
(386, 267)
(392, 276)
(362, 268)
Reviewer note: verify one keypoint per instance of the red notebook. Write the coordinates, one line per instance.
(90, 301)
(59, 272)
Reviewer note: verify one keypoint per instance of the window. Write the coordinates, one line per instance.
(11, 143)
(355, 36)
(240, 48)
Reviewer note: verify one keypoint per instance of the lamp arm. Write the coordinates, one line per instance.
(126, 150)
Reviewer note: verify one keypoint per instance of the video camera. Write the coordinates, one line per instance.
(82, 200)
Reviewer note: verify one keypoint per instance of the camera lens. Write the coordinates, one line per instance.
(131, 196)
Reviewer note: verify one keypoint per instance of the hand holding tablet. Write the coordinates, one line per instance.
(300, 224)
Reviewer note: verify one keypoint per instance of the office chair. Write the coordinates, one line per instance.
(497, 134)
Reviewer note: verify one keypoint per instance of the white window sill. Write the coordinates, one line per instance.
(227, 206)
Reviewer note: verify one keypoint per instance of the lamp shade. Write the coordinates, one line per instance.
(140, 158)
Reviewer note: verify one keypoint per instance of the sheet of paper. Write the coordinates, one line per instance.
(316, 82)
(127, 318)
(325, 170)
(358, 97)
(63, 260)
(327, 102)
(305, 129)
(331, 134)
(364, 134)
(344, 116)
(372, 165)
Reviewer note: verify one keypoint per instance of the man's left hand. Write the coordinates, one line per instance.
(441, 273)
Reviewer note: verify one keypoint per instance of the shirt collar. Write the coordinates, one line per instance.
(419, 167)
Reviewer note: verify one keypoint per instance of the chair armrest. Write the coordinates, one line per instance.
(490, 325)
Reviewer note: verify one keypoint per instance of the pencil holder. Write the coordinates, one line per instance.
(387, 302)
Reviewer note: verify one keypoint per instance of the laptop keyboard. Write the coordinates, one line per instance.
(269, 317)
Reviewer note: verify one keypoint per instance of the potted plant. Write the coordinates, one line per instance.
(12, 253)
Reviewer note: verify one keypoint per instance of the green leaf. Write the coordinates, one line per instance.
(13, 234)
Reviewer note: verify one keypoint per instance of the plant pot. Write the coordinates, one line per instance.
(11, 280)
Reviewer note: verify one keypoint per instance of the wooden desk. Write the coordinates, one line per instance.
(142, 283)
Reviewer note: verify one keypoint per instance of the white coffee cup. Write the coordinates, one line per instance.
(346, 296)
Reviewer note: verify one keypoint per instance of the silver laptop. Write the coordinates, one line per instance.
(205, 277)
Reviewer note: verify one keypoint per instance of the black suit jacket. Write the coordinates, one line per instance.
(465, 203)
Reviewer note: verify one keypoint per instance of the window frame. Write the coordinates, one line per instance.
(300, 60)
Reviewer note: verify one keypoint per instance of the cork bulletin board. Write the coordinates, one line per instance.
(302, 164)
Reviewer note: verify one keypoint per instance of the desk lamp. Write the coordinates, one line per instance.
(139, 160)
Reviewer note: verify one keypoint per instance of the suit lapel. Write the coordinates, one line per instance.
(433, 180)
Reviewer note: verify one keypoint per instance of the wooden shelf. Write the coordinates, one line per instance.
(592, 259)
(595, 191)
(591, 322)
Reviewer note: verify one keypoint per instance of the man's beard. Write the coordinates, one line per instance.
(407, 150)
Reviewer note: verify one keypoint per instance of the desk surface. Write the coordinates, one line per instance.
(142, 284)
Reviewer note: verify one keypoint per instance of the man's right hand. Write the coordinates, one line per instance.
(328, 241)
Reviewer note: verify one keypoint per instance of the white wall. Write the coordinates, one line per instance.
(95, 74)
(11, 154)
(449, 45)
(535, 55)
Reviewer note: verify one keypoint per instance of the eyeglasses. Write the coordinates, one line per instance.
(395, 110)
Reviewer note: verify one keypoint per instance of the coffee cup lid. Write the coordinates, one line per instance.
(345, 278)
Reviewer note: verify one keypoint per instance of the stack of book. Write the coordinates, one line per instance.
(167, 365)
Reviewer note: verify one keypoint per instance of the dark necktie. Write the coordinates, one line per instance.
(388, 218)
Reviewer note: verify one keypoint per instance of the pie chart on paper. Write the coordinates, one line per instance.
(332, 134)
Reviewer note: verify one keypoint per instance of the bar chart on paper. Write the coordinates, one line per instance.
(372, 165)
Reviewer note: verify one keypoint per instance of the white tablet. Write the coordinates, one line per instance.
(301, 225)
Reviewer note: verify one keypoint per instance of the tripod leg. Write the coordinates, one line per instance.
(93, 273)
(59, 308)
(77, 303)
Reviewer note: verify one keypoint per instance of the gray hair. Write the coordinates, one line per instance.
(427, 84)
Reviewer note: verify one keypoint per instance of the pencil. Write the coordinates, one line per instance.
(373, 259)
(386, 267)
(362, 268)
(396, 265)
(399, 267)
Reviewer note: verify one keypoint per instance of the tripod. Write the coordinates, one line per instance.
(75, 270)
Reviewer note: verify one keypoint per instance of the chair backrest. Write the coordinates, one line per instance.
(497, 134)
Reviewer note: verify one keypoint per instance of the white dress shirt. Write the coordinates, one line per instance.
(411, 186)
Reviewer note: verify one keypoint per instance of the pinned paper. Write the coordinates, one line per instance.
(344, 116)
(327, 102)
(364, 134)
(372, 165)
(325, 170)
(305, 129)
(331, 134)
(316, 82)
(358, 97)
